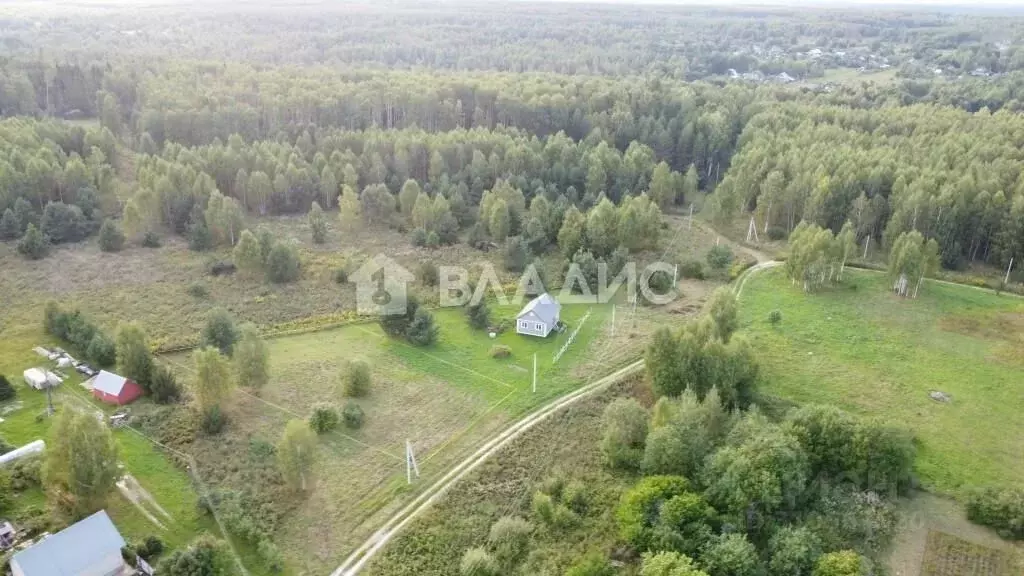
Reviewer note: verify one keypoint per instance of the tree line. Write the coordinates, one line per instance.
(950, 175)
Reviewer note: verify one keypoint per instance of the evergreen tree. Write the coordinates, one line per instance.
(246, 253)
(282, 264)
(317, 223)
(33, 245)
(111, 238)
(10, 226)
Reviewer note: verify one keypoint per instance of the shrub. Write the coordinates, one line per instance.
(593, 564)
(197, 290)
(998, 508)
(659, 283)
(428, 274)
(340, 275)
(418, 237)
(10, 225)
(731, 554)
(63, 222)
(324, 418)
(543, 508)
(433, 239)
(111, 238)
(564, 518)
(575, 497)
(842, 563)
(514, 254)
(33, 245)
(151, 240)
(422, 331)
(500, 351)
(477, 562)
(26, 473)
(102, 351)
(777, 233)
(163, 386)
(693, 269)
(356, 378)
(220, 331)
(509, 538)
(213, 421)
(719, 257)
(222, 268)
(553, 486)
(353, 416)
(271, 555)
(199, 237)
(6, 390)
(150, 548)
(625, 430)
(129, 556)
(639, 511)
(478, 315)
(282, 264)
(775, 317)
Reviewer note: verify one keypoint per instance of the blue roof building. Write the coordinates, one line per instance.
(91, 547)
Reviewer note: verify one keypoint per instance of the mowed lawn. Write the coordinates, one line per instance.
(864, 349)
(445, 399)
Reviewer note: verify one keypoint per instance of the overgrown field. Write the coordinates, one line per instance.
(948, 555)
(564, 447)
(862, 348)
(444, 399)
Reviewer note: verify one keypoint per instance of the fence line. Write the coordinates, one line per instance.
(572, 336)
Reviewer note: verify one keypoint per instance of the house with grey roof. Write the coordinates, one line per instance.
(539, 317)
(91, 547)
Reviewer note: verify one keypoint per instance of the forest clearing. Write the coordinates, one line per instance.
(860, 347)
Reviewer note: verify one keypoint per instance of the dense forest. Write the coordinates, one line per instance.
(950, 175)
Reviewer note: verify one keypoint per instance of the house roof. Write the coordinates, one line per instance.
(544, 307)
(109, 382)
(72, 550)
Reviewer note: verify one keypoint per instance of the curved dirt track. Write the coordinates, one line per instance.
(362, 555)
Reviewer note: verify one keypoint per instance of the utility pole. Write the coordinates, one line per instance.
(1008, 268)
(767, 215)
(690, 225)
(866, 244)
(534, 372)
(410, 463)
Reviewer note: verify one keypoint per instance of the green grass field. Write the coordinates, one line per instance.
(861, 348)
(445, 399)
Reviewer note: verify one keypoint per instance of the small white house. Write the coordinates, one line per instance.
(539, 317)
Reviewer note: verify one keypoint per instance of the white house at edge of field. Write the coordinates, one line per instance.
(539, 317)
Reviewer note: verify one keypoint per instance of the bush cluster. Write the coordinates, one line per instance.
(72, 327)
(998, 508)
